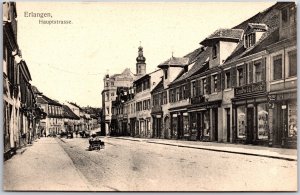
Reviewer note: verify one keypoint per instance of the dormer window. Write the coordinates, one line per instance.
(166, 73)
(250, 40)
(214, 51)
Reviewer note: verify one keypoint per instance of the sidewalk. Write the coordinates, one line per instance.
(44, 166)
(278, 153)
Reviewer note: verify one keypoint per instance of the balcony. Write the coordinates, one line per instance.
(250, 88)
(157, 108)
(198, 100)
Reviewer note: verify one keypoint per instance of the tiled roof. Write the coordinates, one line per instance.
(50, 101)
(270, 18)
(159, 86)
(68, 113)
(235, 34)
(35, 89)
(197, 66)
(174, 61)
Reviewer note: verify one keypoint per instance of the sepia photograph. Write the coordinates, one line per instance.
(149, 96)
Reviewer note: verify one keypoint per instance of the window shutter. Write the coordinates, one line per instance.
(233, 76)
(188, 90)
(219, 82)
(208, 84)
(263, 69)
(250, 67)
(222, 74)
(197, 87)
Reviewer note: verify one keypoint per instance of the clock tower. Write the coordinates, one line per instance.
(140, 63)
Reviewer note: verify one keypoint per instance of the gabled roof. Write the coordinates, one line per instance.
(68, 113)
(45, 99)
(231, 34)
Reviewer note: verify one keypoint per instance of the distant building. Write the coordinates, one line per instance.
(111, 83)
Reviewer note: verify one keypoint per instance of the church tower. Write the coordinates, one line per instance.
(140, 63)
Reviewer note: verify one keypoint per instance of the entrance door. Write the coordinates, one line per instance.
(200, 125)
(215, 123)
(250, 125)
(228, 123)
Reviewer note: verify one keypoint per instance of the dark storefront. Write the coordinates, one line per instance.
(251, 114)
(283, 119)
(180, 125)
(204, 120)
(132, 125)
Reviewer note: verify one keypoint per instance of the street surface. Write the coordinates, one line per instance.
(138, 166)
(66, 164)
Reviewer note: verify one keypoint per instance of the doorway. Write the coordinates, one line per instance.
(227, 111)
(250, 125)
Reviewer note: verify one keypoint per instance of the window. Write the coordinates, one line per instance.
(204, 87)
(277, 67)
(112, 94)
(165, 97)
(107, 84)
(240, 77)
(228, 82)
(112, 83)
(262, 121)
(284, 17)
(292, 118)
(215, 83)
(214, 51)
(177, 94)
(241, 122)
(194, 89)
(166, 73)
(292, 56)
(250, 40)
(107, 110)
(258, 71)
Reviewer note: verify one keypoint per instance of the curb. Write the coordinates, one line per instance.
(211, 149)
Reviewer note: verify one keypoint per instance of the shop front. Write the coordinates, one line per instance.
(157, 121)
(283, 119)
(204, 120)
(180, 124)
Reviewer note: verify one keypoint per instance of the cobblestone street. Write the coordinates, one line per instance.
(137, 165)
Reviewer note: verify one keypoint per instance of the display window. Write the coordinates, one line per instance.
(206, 123)
(292, 119)
(262, 121)
(241, 122)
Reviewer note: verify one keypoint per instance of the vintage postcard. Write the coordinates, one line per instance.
(150, 96)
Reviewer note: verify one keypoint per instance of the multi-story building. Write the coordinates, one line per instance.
(111, 83)
(54, 122)
(143, 87)
(20, 113)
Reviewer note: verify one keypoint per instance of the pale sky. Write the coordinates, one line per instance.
(68, 62)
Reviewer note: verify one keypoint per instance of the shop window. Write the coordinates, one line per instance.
(292, 119)
(186, 124)
(292, 57)
(241, 122)
(262, 121)
(277, 67)
(228, 82)
(174, 124)
(206, 121)
(258, 71)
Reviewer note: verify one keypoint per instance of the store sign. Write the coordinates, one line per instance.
(174, 115)
(250, 88)
(185, 114)
(158, 116)
(283, 107)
